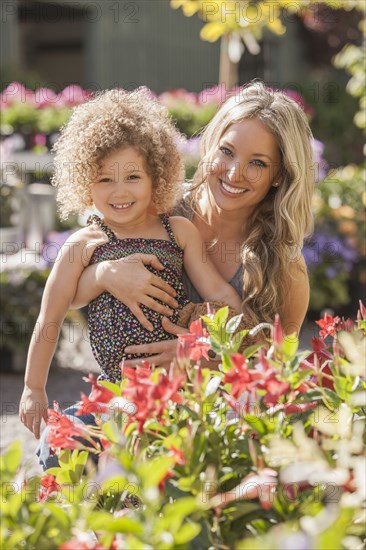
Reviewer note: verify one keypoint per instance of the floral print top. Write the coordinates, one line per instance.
(112, 326)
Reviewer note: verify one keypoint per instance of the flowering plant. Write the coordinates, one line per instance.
(336, 253)
(269, 445)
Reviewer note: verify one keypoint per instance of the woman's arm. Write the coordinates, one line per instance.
(130, 282)
(200, 269)
(297, 299)
(59, 291)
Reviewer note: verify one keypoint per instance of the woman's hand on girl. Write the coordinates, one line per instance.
(131, 283)
(162, 353)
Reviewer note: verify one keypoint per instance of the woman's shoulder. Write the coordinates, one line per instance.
(184, 207)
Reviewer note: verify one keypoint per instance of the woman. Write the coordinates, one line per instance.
(251, 201)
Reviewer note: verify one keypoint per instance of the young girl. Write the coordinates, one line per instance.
(118, 152)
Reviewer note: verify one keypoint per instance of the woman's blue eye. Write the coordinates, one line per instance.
(258, 162)
(225, 150)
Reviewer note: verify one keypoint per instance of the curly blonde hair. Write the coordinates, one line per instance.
(284, 218)
(111, 120)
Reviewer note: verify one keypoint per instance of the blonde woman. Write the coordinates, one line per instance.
(251, 202)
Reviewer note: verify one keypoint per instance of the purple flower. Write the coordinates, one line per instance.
(332, 250)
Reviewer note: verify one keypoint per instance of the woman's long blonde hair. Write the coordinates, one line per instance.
(284, 218)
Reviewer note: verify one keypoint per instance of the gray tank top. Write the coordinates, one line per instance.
(184, 209)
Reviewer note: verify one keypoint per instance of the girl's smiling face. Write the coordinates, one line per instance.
(244, 167)
(122, 191)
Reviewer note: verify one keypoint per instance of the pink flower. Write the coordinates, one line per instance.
(74, 95)
(45, 97)
(215, 94)
(361, 314)
(16, 93)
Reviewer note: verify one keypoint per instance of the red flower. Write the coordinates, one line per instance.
(48, 487)
(139, 373)
(240, 377)
(161, 485)
(274, 390)
(194, 344)
(178, 455)
(62, 432)
(295, 408)
(277, 333)
(98, 399)
(151, 398)
(319, 358)
(329, 325)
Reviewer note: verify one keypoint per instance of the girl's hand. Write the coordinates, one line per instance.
(163, 352)
(32, 408)
(131, 283)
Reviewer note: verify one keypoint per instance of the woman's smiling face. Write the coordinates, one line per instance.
(244, 167)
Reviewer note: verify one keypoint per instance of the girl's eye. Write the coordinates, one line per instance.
(258, 162)
(225, 151)
(133, 177)
(105, 180)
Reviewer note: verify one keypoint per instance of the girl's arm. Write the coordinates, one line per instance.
(59, 291)
(130, 282)
(200, 269)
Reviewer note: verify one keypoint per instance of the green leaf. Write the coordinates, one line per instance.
(343, 386)
(251, 350)
(256, 423)
(111, 431)
(116, 484)
(10, 461)
(226, 363)
(220, 317)
(237, 339)
(182, 507)
(331, 537)
(233, 323)
(101, 521)
(154, 471)
(115, 388)
(187, 532)
(186, 483)
(59, 515)
(290, 345)
(212, 386)
(64, 459)
(191, 413)
(79, 458)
